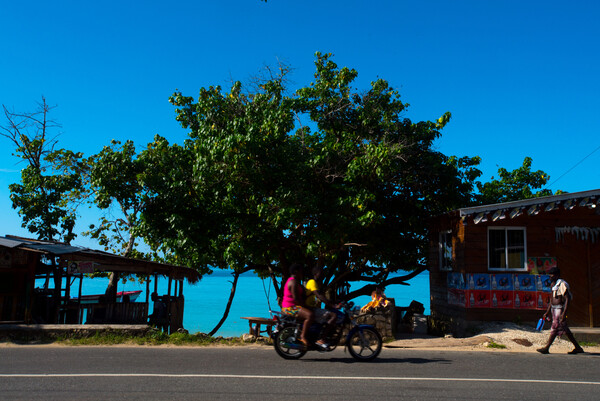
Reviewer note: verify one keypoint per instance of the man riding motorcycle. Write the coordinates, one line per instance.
(314, 298)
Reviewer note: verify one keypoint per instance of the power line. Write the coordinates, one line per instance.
(571, 169)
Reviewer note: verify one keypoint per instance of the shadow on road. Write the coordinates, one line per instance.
(415, 361)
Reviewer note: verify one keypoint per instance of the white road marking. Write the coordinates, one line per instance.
(276, 377)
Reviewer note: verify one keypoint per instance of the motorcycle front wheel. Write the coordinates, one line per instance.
(365, 344)
(287, 345)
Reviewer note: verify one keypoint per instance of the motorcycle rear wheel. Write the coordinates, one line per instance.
(365, 344)
(287, 345)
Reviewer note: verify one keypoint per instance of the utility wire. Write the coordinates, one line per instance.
(571, 169)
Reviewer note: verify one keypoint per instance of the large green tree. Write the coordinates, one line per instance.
(114, 182)
(328, 176)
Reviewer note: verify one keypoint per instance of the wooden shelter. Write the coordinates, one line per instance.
(59, 265)
(490, 262)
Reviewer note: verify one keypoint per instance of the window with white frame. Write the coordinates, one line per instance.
(445, 246)
(506, 248)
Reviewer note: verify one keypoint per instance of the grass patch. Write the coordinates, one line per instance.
(588, 344)
(116, 337)
(151, 338)
(495, 345)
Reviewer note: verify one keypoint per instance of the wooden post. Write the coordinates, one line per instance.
(169, 305)
(590, 285)
(79, 318)
(148, 289)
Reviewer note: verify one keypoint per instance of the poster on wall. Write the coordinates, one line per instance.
(525, 282)
(499, 291)
(479, 299)
(456, 281)
(502, 299)
(540, 265)
(502, 282)
(543, 300)
(479, 281)
(81, 267)
(457, 297)
(525, 300)
(546, 283)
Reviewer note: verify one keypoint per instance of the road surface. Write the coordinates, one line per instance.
(257, 373)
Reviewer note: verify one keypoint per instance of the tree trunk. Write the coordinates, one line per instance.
(236, 275)
(111, 289)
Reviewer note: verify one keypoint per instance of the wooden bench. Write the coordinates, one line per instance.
(255, 324)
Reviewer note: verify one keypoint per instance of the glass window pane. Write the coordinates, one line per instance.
(497, 249)
(446, 251)
(516, 249)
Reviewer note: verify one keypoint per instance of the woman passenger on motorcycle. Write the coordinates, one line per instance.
(293, 303)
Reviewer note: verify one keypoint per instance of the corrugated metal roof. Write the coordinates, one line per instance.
(108, 261)
(529, 202)
(54, 247)
(9, 243)
(531, 206)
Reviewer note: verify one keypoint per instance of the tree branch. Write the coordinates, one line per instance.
(369, 288)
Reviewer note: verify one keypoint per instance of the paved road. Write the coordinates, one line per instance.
(249, 373)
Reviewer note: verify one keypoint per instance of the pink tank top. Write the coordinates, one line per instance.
(288, 298)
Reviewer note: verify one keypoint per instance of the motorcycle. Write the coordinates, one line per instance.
(362, 341)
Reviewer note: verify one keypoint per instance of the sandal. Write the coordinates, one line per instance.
(576, 351)
(322, 344)
(304, 343)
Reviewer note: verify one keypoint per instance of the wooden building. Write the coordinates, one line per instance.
(61, 268)
(490, 262)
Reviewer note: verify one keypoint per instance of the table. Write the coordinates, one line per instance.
(255, 324)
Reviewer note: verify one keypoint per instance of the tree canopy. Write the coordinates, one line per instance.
(328, 176)
(521, 183)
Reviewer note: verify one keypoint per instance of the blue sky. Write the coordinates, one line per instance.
(520, 78)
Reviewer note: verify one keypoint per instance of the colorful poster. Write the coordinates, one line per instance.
(546, 283)
(525, 282)
(501, 291)
(479, 281)
(457, 297)
(480, 299)
(81, 267)
(525, 300)
(543, 299)
(540, 265)
(502, 282)
(502, 299)
(456, 281)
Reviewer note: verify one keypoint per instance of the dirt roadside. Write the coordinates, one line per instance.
(500, 337)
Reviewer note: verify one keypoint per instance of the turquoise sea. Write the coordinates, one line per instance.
(206, 300)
